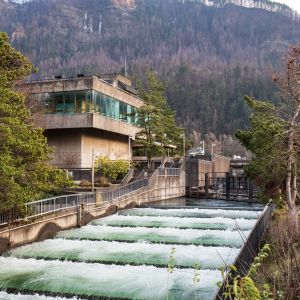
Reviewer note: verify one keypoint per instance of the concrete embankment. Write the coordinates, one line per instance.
(160, 188)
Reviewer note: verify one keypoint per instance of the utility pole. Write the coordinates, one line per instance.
(183, 144)
(212, 148)
(94, 155)
(125, 71)
(130, 137)
(93, 171)
(129, 152)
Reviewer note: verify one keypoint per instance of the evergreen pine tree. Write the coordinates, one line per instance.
(156, 119)
(24, 153)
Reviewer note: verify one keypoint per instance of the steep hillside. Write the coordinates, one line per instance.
(209, 53)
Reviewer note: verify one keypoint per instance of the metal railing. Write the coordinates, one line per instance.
(221, 186)
(168, 172)
(9, 216)
(128, 176)
(123, 190)
(60, 203)
(54, 204)
(249, 250)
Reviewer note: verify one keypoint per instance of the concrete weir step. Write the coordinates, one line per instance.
(127, 255)
(157, 235)
(201, 207)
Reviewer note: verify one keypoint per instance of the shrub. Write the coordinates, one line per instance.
(112, 169)
(103, 182)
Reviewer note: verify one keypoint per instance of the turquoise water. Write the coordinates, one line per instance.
(157, 235)
(175, 222)
(192, 212)
(82, 279)
(127, 253)
(126, 256)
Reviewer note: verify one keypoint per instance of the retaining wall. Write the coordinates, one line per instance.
(160, 188)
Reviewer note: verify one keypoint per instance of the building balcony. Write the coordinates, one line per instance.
(85, 120)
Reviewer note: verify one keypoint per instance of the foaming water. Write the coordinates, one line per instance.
(175, 222)
(208, 203)
(6, 296)
(192, 212)
(157, 235)
(127, 253)
(126, 256)
(135, 282)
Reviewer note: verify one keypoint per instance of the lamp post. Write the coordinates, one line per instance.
(183, 144)
(94, 155)
(212, 148)
(130, 137)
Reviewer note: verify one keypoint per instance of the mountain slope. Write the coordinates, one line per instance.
(209, 53)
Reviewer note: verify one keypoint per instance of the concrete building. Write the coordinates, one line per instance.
(82, 115)
(212, 164)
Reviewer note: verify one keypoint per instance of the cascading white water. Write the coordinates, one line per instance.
(127, 255)
(158, 235)
(193, 223)
(193, 212)
(6, 296)
(134, 282)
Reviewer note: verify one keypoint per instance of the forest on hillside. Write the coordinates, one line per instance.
(207, 57)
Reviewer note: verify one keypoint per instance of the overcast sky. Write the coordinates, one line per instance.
(294, 4)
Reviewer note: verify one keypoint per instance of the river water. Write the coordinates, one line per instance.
(126, 256)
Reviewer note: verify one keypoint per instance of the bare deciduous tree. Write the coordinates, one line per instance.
(289, 84)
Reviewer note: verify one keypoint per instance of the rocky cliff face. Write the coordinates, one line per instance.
(124, 4)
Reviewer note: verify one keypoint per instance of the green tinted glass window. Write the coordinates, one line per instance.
(88, 101)
(58, 100)
(69, 103)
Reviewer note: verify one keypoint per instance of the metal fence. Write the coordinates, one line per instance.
(45, 206)
(221, 185)
(60, 203)
(250, 248)
(9, 216)
(123, 190)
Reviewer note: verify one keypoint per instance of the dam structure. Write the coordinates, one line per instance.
(170, 250)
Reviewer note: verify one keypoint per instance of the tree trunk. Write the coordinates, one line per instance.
(291, 177)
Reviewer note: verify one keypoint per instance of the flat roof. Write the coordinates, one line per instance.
(78, 83)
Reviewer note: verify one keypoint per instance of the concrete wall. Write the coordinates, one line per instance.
(221, 164)
(160, 188)
(216, 165)
(55, 85)
(47, 228)
(73, 147)
(86, 120)
(67, 147)
(106, 144)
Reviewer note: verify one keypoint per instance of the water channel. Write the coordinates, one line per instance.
(126, 256)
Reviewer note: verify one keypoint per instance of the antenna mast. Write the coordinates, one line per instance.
(125, 67)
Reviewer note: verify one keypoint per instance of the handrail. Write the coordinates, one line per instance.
(64, 202)
(249, 250)
(125, 180)
(59, 203)
(123, 190)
